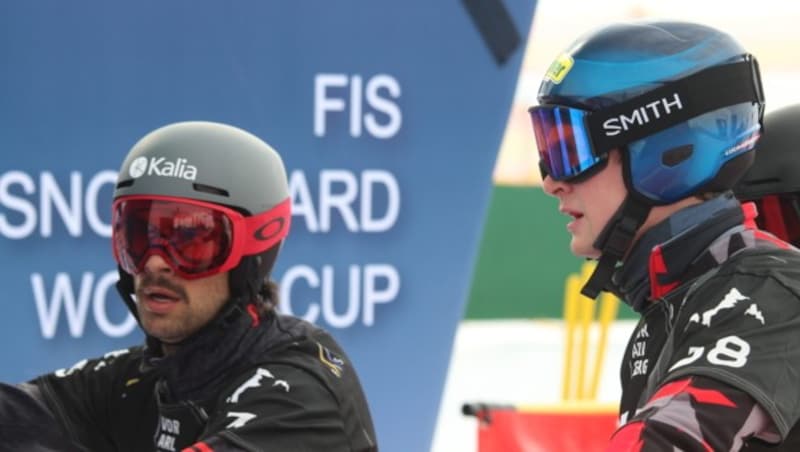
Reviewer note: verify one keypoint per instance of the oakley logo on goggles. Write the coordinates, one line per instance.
(195, 238)
(572, 141)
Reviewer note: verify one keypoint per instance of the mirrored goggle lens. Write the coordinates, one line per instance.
(195, 239)
(565, 150)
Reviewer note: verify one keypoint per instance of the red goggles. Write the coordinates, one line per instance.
(195, 238)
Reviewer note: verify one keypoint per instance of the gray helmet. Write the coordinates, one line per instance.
(205, 161)
(218, 164)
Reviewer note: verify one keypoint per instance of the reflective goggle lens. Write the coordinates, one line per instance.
(565, 149)
(196, 239)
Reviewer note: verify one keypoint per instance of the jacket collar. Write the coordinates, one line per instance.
(677, 249)
(203, 360)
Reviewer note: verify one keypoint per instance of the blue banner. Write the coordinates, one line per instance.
(388, 116)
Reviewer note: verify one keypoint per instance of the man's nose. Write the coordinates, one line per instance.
(156, 264)
(553, 187)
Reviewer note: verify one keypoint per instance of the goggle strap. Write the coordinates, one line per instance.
(265, 230)
(697, 94)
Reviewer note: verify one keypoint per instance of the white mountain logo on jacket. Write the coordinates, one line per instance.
(731, 299)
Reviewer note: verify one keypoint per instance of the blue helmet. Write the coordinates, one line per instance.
(682, 101)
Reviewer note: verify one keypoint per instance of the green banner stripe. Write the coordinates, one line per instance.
(524, 258)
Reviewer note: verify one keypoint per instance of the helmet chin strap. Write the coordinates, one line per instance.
(614, 241)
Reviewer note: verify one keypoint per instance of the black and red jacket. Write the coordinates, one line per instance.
(714, 362)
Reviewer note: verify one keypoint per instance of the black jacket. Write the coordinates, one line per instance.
(276, 384)
(714, 363)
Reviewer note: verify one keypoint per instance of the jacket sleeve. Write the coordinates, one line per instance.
(276, 407)
(77, 398)
(27, 424)
(695, 414)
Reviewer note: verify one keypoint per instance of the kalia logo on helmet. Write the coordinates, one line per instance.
(643, 115)
(160, 166)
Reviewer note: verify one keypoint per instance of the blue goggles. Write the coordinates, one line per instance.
(574, 143)
(564, 143)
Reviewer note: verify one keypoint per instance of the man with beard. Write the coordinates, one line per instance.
(200, 212)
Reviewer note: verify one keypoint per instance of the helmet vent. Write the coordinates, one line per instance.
(675, 156)
(210, 189)
(125, 183)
